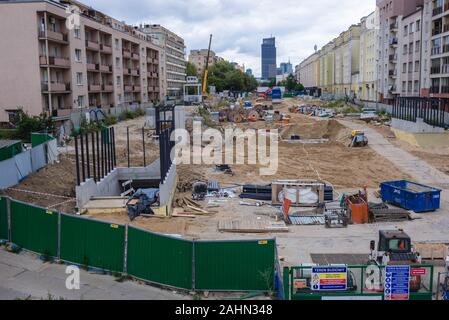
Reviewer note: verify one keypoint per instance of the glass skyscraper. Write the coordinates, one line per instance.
(269, 58)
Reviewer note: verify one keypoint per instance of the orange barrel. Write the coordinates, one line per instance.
(285, 121)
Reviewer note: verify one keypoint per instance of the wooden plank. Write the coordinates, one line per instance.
(251, 226)
(432, 251)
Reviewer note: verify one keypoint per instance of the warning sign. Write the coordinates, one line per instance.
(329, 278)
(397, 283)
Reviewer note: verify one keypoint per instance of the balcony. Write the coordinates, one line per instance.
(135, 72)
(446, 28)
(105, 68)
(446, 6)
(394, 41)
(127, 71)
(444, 89)
(54, 62)
(136, 88)
(445, 69)
(393, 57)
(107, 87)
(392, 73)
(437, 11)
(393, 26)
(55, 87)
(150, 89)
(62, 112)
(128, 88)
(435, 51)
(105, 48)
(54, 36)
(156, 89)
(436, 32)
(92, 45)
(92, 67)
(434, 90)
(95, 87)
(126, 53)
(435, 70)
(135, 56)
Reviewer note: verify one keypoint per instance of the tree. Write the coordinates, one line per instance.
(224, 76)
(191, 70)
(28, 124)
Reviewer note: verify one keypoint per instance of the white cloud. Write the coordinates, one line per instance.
(239, 26)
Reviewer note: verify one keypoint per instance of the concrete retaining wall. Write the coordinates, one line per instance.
(415, 127)
(17, 168)
(378, 106)
(110, 185)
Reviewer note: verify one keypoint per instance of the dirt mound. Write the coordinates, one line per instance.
(330, 129)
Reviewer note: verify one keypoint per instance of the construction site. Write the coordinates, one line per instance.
(333, 193)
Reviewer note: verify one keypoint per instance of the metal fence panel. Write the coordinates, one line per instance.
(3, 219)
(34, 228)
(92, 243)
(235, 265)
(159, 258)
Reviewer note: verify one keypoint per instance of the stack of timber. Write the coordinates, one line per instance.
(190, 209)
(251, 225)
(389, 215)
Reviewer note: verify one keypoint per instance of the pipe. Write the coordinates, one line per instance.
(77, 162)
(93, 156)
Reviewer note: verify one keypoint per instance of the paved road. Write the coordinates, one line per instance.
(23, 275)
(406, 162)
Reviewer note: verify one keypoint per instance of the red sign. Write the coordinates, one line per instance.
(418, 272)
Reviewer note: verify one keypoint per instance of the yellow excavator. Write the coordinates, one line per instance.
(358, 139)
(206, 71)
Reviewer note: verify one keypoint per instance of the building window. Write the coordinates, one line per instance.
(80, 101)
(117, 63)
(418, 25)
(79, 78)
(119, 98)
(119, 81)
(77, 55)
(117, 44)
(417, 66)
(404, 68)
(77, 32)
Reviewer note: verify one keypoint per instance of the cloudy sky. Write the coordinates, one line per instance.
(238, 26)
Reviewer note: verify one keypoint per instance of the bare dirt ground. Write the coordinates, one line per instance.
(60, 179)
(435, 156)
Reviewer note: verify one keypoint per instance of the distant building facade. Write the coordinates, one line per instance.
(174, 56)
(199, 58)
(269, 64)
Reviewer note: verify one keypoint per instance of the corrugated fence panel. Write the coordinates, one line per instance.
(3, 219)
(235, 265)
(159, 259)
(34, 228)
(92, 243)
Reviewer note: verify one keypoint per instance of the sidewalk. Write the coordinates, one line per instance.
(24, 275)
(420, 170)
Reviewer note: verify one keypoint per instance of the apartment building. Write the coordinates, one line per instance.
(308, 72)
(369, 34)
(199, 58)
(59, 61)
(174, 66)
(436, 17)
(396, 19)
(326, 68)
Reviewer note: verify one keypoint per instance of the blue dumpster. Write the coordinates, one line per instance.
(411, 196)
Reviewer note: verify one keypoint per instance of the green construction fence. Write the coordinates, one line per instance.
(3, 219)
(235, 265)
(246, 265)
(34, 228)
(92, 243)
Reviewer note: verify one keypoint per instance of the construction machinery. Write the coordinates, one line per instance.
(358, 139)
(395, 248)
(206, 69)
